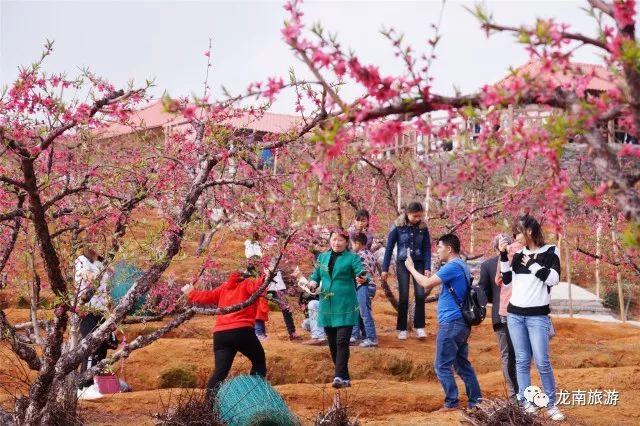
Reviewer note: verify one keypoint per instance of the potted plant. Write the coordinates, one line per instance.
(107, 381)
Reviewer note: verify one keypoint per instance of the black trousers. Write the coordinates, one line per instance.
(404, 278)
(88, 323)
(281, 299)
(338, 338)
(507, 356)
(226, 344)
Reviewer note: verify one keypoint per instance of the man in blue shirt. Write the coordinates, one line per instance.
(452, 349)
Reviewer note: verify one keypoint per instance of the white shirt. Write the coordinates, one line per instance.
(85, 276)
(277, 283)
(251, 249)
(99, 299)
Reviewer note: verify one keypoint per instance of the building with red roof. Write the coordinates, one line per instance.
(155, 117)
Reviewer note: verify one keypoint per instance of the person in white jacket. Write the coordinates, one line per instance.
(252, 247)
(91, 280)
(277, 292)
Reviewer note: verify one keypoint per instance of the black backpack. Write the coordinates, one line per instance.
(474, 308)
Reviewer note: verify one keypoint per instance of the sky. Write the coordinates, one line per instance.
(124, 40)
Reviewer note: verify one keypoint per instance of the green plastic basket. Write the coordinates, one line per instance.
(250, 400)
(124, 275)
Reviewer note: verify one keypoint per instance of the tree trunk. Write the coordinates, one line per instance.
(598, 253)
(568, 266)
(614, 240)
(427, 198)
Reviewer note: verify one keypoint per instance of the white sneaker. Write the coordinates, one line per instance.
(421, 334)
(530, 408)
(89, 393)
(368, 343)
(555, 414)
(402, 335)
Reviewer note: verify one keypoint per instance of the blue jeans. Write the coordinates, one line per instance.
(365, 294)
(530, 334)
(452, 351)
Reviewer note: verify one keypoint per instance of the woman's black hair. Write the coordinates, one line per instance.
(526, 223)
(415, 207)
(360, 238)
(362, 214)
(344, 234)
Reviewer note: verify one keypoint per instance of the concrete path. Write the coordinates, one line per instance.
(585, 305)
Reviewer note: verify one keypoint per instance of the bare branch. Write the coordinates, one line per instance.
(115, 96)
(12, 182)
(138, 343)
(567, 35)
(66, 192)
(12, 215)
(603, 6)
(8, 248)
(29, 325)
(246, 183)
(143, 319)
(327, 87)
(24, 351)
(470, 214)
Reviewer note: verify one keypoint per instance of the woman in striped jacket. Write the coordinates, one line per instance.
(531, 272)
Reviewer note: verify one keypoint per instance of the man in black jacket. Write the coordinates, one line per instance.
(488, 270)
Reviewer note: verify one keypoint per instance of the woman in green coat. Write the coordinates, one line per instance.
(338, 270)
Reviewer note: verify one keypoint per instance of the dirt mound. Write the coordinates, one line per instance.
(394, 384)
(392, 402)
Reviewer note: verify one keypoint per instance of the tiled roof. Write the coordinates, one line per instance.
(602, 79)
(153, 116)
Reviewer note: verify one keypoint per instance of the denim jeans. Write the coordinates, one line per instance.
(530, 336)
(404, 278)
(316, 332)
(452, 351)
(365, 294)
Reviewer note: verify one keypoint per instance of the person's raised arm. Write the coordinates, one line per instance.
(202, 297)
(392, 238)
(549, 273)
(505, 264)
(428, 282)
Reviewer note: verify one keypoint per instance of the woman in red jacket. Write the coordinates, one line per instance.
(233, 332)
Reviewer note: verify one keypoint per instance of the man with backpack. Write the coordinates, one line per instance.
(456, 313)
